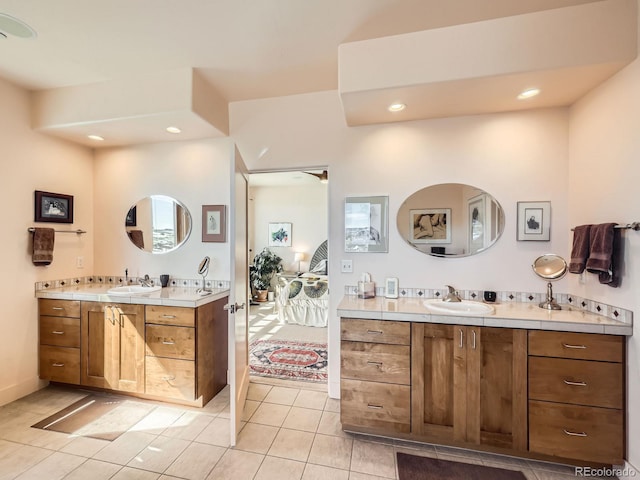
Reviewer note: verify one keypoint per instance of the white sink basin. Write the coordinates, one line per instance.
(132, 290)
(465, 308)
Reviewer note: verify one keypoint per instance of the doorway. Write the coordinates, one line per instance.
(288, 217)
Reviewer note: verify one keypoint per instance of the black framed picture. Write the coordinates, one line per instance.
(53, 207)
(131, 219)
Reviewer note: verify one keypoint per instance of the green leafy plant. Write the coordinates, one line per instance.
(265, 265)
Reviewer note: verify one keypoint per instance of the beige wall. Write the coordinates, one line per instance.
(604, 173)
(305, 207)
(31, 161)
(195, 173)
(513, 156)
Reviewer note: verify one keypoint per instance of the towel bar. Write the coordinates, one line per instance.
(79, 232)
(629, 226)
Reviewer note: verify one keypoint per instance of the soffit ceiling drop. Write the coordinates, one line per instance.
(481, 67)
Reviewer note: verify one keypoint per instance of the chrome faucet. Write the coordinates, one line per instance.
(452, 296)
(145, 282)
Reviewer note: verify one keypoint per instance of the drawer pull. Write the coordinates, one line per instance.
(168, 378)
(57, 364)
(57, 308)
(375, 407)
(567, 345)
(168, 316)
(164, 342)
(575, 384)
(461, 338)
(374, 332)
(575, 434)
(377, 364)
(57, 332)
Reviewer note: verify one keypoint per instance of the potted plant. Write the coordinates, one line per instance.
(265, 265)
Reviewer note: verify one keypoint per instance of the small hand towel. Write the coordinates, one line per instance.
(612, 277)
(601, 248)
(43, 239)
(581, 246)
(137, 238)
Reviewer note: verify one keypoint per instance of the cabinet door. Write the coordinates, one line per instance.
(496, 387)
(127, 360)
(113, 346)
(97, 345)
(438, 381)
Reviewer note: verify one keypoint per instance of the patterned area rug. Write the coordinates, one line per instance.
(289, 360)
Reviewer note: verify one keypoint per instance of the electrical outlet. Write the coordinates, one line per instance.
(79, 262)
(347, 266)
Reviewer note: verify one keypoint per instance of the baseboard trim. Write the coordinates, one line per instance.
(22, 389)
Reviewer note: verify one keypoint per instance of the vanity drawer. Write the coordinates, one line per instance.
(59, 308)
(376, 362)
(182, 316)
(582, 346)
(376, 331)
(60, 331)
(60, 364)
(582, 433)
(381, 406)
(171, 341)
(169, 377)
(578, 382)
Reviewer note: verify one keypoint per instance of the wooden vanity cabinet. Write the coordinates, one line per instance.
(113, 346)
(59, 345)
(375, 365)
(468, 385)
(576, 396)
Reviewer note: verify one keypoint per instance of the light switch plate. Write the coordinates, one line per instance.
(346, 266)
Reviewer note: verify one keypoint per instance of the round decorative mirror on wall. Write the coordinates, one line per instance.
(450, 220)
(158, 224)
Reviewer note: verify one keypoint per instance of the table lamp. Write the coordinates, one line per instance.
(298, 257)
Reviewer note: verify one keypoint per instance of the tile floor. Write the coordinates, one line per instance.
(290, 431)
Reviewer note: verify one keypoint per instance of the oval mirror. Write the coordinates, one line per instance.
(158, 224)
(550, 267)
(450, 220)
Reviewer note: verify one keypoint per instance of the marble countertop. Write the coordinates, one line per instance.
(169, 296)
(510, 315)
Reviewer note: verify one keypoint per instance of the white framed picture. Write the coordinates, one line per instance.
(366, 221)
(391, 287)
(534, 221)
(280, 234)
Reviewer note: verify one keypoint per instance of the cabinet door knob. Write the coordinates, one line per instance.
(375, 407)
(57, 332)
(374, 332)
(567, 345)
(377, 364)
(57, 364)
(168, 316)
(57, 308)
(165, 342)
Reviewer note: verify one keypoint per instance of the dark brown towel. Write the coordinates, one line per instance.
(137, 238)
(612, 277)
(581, 246)
(43, 239)
(601, 249)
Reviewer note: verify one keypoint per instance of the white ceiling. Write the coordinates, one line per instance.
(245, 49)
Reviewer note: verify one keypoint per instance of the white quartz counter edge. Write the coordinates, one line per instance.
(508, 315)
(169, 296)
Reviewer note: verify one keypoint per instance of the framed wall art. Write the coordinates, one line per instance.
(53, 207)
(214, 223)
(366, 224)
(430, 225)
(280, 234)
(534, 221)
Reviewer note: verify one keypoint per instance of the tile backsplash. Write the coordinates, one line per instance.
(116, 281)
(610, 311)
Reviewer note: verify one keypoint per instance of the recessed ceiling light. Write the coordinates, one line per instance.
(16, 27)
(97, 138)
(528, 93)
(396, 107)
(173, 130)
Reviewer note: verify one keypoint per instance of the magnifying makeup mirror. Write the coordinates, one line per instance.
(203, 269)
(550, 267)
